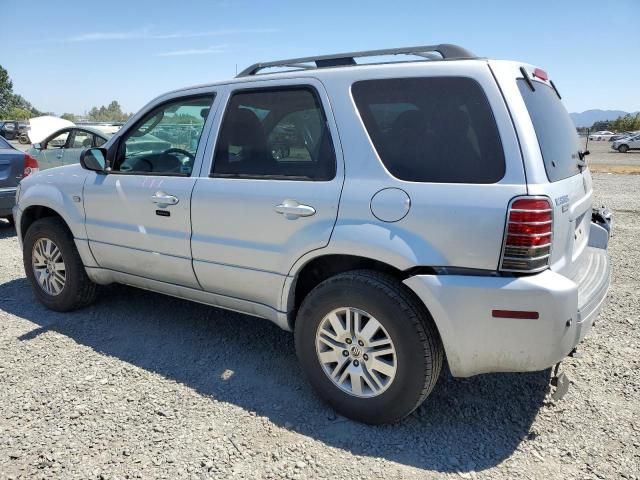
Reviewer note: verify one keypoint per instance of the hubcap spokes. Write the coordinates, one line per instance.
(48, 266)
(356, 352)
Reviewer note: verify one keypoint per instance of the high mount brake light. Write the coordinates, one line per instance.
(541, 74)
(528, 235)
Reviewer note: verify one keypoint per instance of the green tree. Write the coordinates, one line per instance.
(68, 116)
(17, 113)
(13, 106)
(6, 93)
(600, 125)
(111, 113)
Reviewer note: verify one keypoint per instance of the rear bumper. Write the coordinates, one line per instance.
(475, 342)
(7, 201)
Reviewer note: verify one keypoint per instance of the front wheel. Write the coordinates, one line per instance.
(623, 148)
(368, 347)
(54, 268)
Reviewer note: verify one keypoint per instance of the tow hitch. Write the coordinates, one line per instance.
(603, 217)
(561, 381)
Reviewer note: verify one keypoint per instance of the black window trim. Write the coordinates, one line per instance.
(45, 142)
(377, 154)
(121, 135)
(276, 88)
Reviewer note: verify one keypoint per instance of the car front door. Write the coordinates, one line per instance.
(138, 216)
(51, 153)
(270, 191)
(635, 142)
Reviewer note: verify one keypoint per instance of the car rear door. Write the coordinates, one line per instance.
(552, 159)
(78, 140)
(270, 188)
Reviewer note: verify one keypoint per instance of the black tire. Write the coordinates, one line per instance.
(623, 148)
(418, 346)
(78, 291)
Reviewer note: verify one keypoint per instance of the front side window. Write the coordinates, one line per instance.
(275, 134)
(165, 141)
(59, 141)
(432, 129)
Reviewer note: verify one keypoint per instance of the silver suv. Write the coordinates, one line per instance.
(392, 215)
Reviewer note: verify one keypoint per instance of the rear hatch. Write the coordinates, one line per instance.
(11, 165)
(553, 163)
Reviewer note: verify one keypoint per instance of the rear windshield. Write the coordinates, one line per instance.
(4, 143)
(432, 129)
(554, 128)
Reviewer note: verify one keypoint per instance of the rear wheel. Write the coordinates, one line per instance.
(623, 148)
(54, 268)
(368, 346)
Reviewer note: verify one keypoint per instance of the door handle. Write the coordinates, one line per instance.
(291, 209)
(60, 155)
(162, 198)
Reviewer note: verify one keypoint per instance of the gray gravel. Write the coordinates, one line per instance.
(145, 386)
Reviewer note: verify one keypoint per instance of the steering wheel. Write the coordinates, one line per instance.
(180, 151)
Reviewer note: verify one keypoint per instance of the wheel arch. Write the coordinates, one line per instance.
(322, 267)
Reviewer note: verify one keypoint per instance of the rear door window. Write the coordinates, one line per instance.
(275, 134)
(434, 129)
(554, 128)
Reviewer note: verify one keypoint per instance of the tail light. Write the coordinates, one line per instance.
(30, 165)
(528, 235)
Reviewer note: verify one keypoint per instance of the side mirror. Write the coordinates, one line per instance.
(94, 159)
(37, 146)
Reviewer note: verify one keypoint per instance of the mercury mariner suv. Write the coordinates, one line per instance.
(392, 214)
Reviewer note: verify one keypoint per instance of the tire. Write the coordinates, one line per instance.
(78, 290)
(623, 148)
(418, 350)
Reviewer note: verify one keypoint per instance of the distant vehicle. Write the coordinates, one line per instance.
(623, 135)
(14, 166)
(625, 144)
(63, 147)
(9, 129)
(602, 135)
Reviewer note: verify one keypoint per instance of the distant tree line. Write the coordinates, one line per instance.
(625, 123)
(110, 113)
(12, 105)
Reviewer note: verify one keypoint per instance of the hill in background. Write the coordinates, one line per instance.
(589, 117)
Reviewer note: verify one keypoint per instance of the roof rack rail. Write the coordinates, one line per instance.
(446, 51)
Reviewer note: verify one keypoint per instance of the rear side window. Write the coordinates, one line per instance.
(275, 134)
(437, 129)
(554, 128)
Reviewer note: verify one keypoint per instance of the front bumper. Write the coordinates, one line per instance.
(7, 201)
(476, 342)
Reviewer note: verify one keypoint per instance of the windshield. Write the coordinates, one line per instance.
(554, 128)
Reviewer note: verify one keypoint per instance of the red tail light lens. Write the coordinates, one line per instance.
(528, 235)
(30, 165)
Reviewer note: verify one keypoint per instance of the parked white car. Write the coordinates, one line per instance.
(394, 216)
(601, 135)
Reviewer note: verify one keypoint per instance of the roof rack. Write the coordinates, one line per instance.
(446, 51)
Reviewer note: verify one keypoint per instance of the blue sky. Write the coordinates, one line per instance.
(69, 56)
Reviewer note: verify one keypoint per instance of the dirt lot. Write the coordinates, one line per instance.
(145, 386)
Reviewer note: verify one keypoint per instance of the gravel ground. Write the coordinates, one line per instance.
(145, 386)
